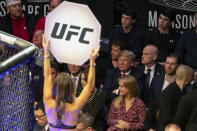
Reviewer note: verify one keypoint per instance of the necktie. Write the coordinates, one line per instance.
(148, 77)
(124, 74)
(74, 81)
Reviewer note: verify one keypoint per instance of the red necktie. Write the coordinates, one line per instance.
(124, 74)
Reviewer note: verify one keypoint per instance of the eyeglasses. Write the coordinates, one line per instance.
(77, 129)
(38, 117)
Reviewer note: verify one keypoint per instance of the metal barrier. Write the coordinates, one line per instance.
(16, 91)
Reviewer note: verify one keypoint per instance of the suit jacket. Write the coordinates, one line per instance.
(79, 86)
(168, 103)
(186, 115)
(147, 93)
(39, 128)
(111, 82)
(157, 86)
(151, 119)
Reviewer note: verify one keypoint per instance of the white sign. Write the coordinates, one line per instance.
(73, 31)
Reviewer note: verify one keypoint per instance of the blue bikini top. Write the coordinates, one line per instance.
(61, 125)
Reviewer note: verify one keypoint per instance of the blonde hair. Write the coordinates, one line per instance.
(129, 54)
(130, 83)
(183, 71)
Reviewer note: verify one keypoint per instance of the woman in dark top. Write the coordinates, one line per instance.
(97, 97)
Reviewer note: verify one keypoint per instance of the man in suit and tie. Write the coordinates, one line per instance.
(126, 61)
(110, 61)
(158, 85)
(151, 69)
(41, 123)
(75, 72)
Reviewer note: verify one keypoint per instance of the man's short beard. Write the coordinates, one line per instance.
(171, 73)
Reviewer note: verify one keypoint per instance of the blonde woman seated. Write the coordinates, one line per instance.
(62, 109)
(127, 111)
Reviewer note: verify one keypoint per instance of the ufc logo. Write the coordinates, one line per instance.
(70, 34)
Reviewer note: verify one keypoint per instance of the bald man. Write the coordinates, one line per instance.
(172, 127)
(150, 69)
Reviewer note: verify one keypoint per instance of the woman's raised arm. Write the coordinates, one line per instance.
(83, 97)
(47, 90)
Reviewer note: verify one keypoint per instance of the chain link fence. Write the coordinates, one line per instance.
(16, 95)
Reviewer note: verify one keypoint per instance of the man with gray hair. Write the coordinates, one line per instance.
(169, 100)
(126, 62)
(85, 122)
(17, 22)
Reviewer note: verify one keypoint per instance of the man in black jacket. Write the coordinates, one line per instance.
(169, 100)
(164, 37)
(130, 32)
(186, 115)
(17, 22)
(186, 47)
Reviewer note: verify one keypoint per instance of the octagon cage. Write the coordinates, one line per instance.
(16, 91)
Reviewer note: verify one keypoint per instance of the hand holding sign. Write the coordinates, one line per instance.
(45, 44)
(94, 54)
(73, 31)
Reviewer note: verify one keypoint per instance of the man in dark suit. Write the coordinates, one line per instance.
(151, 69)
(162, 81)
(186, 114)
(169, 100)
(110, 61)
(158, 85)
(38, 79)
(75, 72)
(41, 119)
(125, 67)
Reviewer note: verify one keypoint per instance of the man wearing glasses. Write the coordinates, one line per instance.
(41, 123)
(85, 122)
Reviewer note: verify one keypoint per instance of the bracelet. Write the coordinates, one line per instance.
(94, 65)
(46, 56)
(46, 48)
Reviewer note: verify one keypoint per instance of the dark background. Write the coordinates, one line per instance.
(108, 12)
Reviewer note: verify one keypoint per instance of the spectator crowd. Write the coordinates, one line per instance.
(145, 80)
